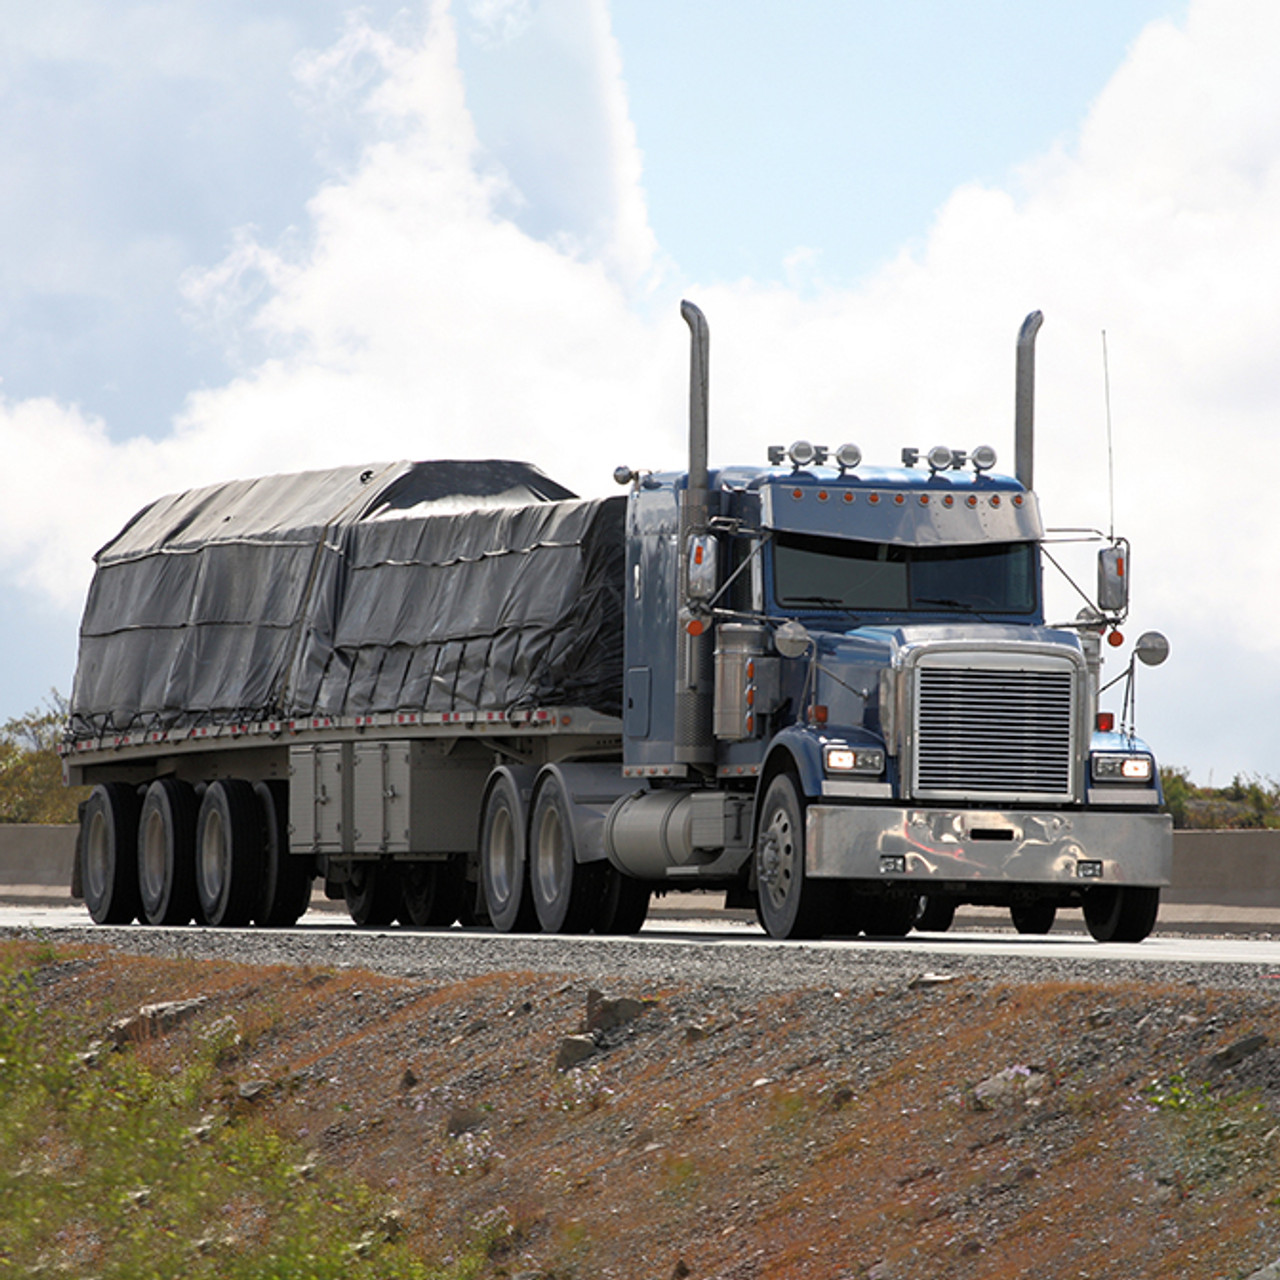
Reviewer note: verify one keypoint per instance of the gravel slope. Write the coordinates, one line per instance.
(760, 1111)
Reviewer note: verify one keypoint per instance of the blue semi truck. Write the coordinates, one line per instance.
(452, 691)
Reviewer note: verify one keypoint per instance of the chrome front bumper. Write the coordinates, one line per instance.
(1051, 847)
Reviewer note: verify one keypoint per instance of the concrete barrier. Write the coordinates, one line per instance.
(1226, 868)
(36, 855)
(1223, 868)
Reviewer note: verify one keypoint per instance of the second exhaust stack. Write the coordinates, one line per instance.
(1025, 401)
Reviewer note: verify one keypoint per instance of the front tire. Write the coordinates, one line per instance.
(566, 892)
(109, 853)
(891, 915)
(935, 914)
(167, 852)
(1033, 917)
(1121, 913)
(229, 853)
(790, 904)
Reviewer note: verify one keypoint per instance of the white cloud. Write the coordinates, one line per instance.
(441, 302)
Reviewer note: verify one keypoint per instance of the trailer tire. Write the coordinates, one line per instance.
(167, 852)
(1121, 913)
(229, 853)
(566, 892)
(109, 853)
(431, 892)
(504, 866)
(285, 890)
(624, 904)
(790, 905)
(1033, 917)
(372, 893)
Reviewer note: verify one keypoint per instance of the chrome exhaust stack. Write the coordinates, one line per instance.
(695, 500)
(694, 742)
(1025, 400)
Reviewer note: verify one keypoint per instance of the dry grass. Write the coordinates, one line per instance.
(811, 1135)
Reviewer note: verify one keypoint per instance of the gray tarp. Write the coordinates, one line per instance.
(437, 586)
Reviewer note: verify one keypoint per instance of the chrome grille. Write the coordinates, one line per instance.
(994, 731)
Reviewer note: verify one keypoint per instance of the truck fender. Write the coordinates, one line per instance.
(591, 790)
(798, 750)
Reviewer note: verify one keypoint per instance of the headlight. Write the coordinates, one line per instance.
(854, 759)
(1118, 767)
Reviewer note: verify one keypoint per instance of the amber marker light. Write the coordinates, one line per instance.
(1115, 639)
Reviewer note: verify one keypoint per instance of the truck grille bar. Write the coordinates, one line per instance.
(991, 731)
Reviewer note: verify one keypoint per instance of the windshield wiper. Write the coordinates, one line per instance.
(830, 601)
(966, 605)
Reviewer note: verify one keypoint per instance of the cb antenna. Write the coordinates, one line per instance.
(1111, 465)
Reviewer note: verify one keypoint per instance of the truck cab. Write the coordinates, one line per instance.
(844, 685)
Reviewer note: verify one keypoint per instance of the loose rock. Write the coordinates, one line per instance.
(574, 1050)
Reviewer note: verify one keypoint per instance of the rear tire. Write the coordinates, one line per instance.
(167, 852)
(372, 893)
(1121, 913)
(285, 890)
(791, 905)
(624, 904)
(109, 853)
(566, 892)
(229, 853)
(504, 866)
(431, 893)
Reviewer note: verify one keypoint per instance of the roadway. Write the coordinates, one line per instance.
(1184, 935)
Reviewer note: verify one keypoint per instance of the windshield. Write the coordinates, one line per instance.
(873, 577)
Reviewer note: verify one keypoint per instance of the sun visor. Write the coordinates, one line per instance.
(917, 517)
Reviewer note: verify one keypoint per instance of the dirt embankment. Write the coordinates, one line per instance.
(942, 1126)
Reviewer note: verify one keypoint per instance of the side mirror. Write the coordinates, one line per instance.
(1152, 648)
(1113, 577)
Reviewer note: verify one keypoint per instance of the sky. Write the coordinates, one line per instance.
(267, 235)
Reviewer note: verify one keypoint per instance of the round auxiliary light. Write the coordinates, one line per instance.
(983, 458)
(792, 639)
(802, 453)
(939, 458)
(848, 456)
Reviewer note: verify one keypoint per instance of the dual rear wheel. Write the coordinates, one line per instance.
(167, 855)
(531, 874)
